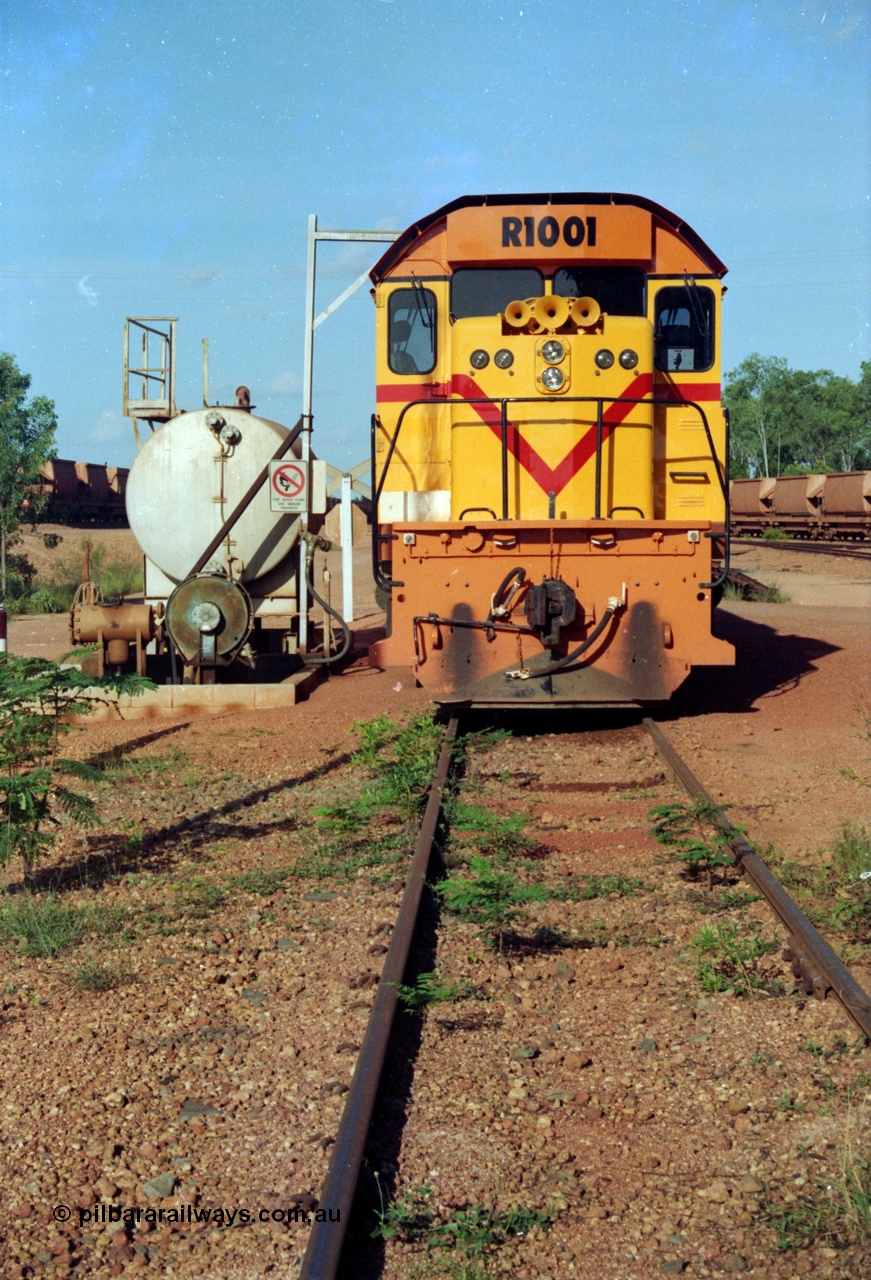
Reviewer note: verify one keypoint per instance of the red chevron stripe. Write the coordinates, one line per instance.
(550, 479)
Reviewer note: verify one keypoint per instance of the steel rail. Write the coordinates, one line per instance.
(813, 959)
(848, 548)
(321, 1260)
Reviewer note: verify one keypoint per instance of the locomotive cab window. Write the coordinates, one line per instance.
(619, 291)
(684, 329)
(487, 293)
(411, 331)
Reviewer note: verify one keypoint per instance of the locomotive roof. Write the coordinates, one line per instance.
(406, 242)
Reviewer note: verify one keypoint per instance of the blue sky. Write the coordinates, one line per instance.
(162, 159)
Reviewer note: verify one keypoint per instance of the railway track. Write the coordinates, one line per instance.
(849, 550)
(549, 954)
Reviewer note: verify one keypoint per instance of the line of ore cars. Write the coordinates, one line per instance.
(833, 506)
(816, 506)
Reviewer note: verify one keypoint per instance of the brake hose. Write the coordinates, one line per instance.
(614, 603)
(497, 608)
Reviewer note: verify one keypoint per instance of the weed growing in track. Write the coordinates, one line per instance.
(692, 831)
(118, 768)
(727, 900)
(470, 1236)
(494, 835)
(592, 886)
(430, 989)
(264, 883)
(834, 892)
(97, 978)
(728, 959)
(197, 897)
(492, 898)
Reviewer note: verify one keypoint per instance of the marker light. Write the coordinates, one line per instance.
(479, 359)
(628, 358)
(504, 358)
(604, 358)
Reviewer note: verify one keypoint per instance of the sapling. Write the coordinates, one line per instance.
(37, 700)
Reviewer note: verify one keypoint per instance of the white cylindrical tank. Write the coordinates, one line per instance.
(188, 478)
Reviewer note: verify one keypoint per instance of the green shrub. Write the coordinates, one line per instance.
(492, 898)
(36, 699)
(729, 959)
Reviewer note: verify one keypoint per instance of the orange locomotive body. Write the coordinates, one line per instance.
(549, 451)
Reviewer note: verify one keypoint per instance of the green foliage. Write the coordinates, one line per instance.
(852, 861)
(37, 697)
(730, 959)
(608, 885)
(342, 859)
(790, 422)
(118, 768)
(837, 1211)
(429, 989)
(497, 835)
(471, 1234)
(264, 883)
(729, 900)
(834, 893)
(197, 897)
(492, 898)
(115, 578)
(27, 440)
(776, 535)
(42, 925)
(97, 978)
(399, 760)
(693, 831)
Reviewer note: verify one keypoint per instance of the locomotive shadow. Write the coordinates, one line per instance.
(768, 663)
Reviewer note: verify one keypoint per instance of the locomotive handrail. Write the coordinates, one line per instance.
(668, 402)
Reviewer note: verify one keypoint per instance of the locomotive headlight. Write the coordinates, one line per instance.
(604, 358)
(553, 378)
(553, 351)
(504, 358)
(479, 359)
(628, 358)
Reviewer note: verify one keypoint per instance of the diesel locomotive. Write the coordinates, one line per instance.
(549, 451)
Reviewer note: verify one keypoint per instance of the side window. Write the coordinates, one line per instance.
(411, 330)
(683, 329)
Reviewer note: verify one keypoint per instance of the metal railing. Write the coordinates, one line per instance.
(386, 584)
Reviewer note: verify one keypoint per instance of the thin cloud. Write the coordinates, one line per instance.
(85, 291)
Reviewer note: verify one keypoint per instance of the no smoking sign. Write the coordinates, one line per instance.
(287, 487)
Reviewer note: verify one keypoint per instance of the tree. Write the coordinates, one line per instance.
(752, 394)
(27, 440)
(793, 421)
